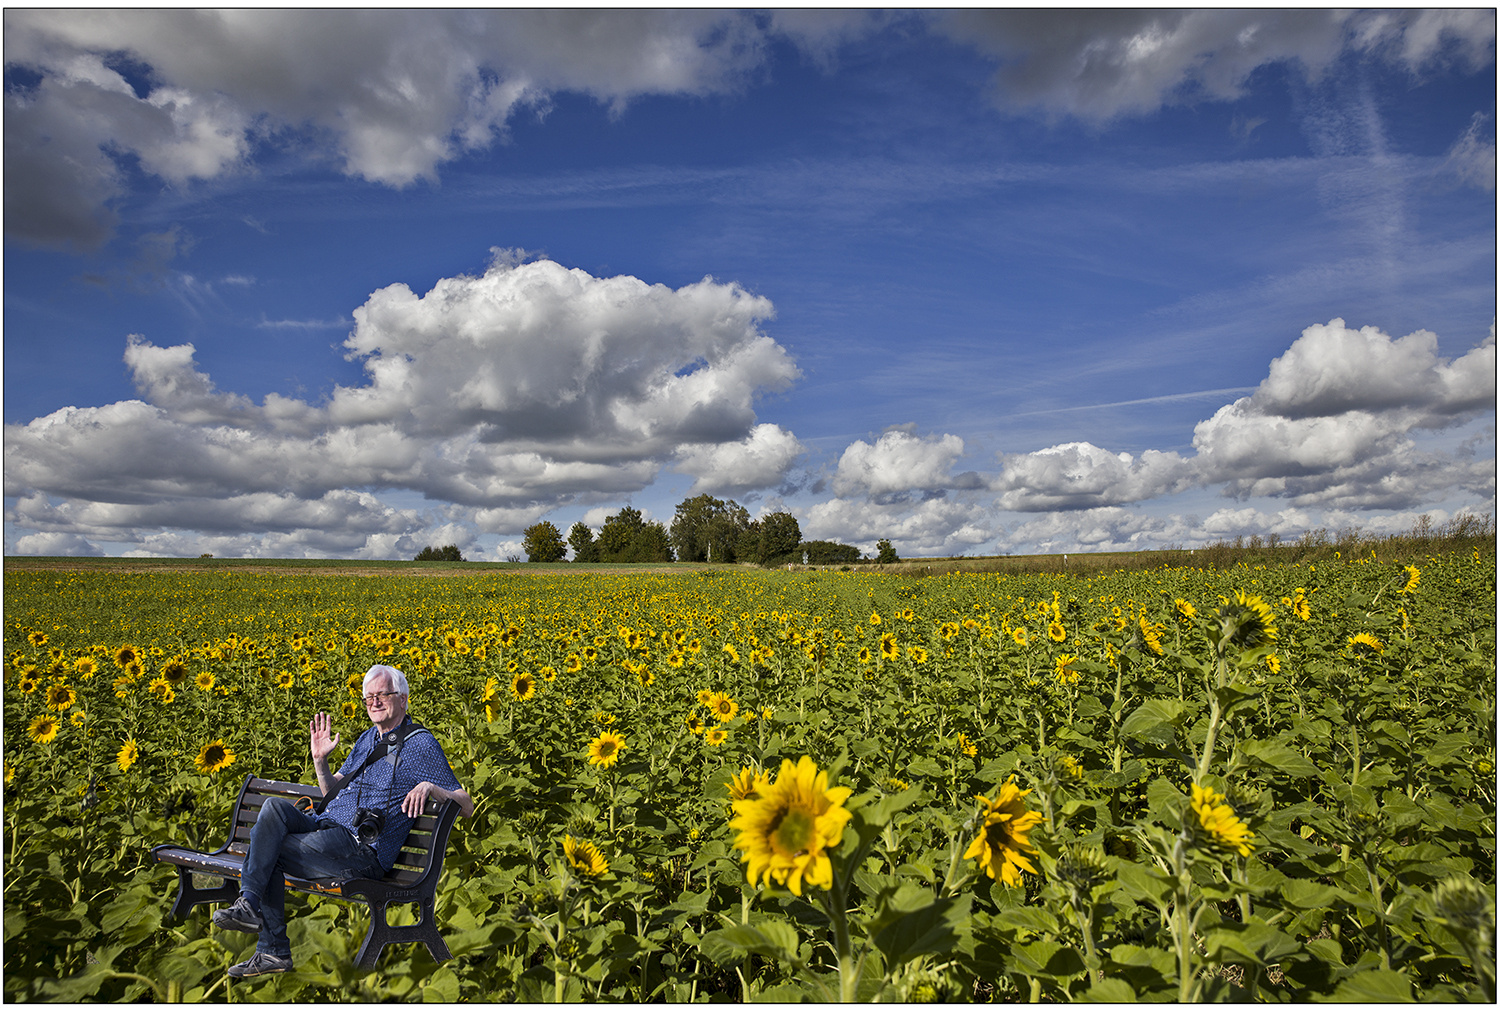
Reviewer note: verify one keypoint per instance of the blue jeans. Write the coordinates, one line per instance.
(289, 841)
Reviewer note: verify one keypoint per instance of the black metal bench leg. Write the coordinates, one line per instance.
(383, 933)
(189, 895)
(430, 936)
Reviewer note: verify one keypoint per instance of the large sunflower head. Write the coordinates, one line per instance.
(1220, 826)
(1002, 846)
(722, 707)
(126, 655)
(44, 728)
(214, 757)
(523, 685)
(1246, 623)
(205, 680)
(584, 857)
(175, 672)
(85, 667)
(716, 735)
(786, 831)
(60, 696)
(605, 750)
(1056, 632)
(128, 754)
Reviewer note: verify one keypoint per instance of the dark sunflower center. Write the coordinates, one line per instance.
(794, 833)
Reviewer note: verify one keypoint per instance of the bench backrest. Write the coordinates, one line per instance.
(421, 853)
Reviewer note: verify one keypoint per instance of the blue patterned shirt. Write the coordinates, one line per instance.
(384, 786)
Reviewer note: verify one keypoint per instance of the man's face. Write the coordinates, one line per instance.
(384, 706)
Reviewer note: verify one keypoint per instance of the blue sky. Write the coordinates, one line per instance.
(285, 284)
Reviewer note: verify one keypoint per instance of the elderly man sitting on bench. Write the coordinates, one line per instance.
(369, 805)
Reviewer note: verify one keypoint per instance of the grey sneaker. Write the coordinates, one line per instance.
(259, 964)
(239, 916)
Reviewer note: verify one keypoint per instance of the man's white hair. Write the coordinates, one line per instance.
(398, 680)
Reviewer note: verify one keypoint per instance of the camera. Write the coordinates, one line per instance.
(368, 823)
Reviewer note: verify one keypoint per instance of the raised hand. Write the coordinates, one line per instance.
(324, 740)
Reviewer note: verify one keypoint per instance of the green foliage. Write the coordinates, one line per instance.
(627, 537)
(581, 540)
(884, 551)
(828, 553)
(1364, 777)
(542, 542)
(448, 553)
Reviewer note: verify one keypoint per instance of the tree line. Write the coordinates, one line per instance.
(703, 529)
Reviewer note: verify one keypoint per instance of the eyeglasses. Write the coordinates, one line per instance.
(376, 697)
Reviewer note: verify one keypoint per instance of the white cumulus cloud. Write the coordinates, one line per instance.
(504, 394)
(897, 462)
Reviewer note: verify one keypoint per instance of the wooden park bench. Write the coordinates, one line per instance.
(414, 878)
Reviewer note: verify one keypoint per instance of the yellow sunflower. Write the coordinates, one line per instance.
(1185, 610)
(214, 757)
(26, 685)
(549, 674)
(572, 664)
(205, 680)
(1219, 821)
(175, 672)
(286, 680)
(161, 690)
(1067, 674)
(1002, 846)
(733, 654)
(874, 618)
(962, 744)
(605, 750)
(722, 707)
(1247, 622)
(584, 857)
(128, 754)
(889, 650)
(523, 686)
(749, 783)
(1055, 631)
(1413, 577)
(126, 655)
(349, 709)
(785, 833)
(1300, 607)
(716, 735)
(60, 697)
(704, 696)
(44, 728)
(1360, 644)
(694, 723)
(84, 667)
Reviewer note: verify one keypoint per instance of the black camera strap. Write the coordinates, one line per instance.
(382, 746)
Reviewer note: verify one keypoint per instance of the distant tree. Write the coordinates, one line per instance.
(581, 540)
(886, 552)
(543, 543)
(628, 537)
(708, 529)
(652, 544)
(448, 553)
(827, 553)
(780, 534)
(619, 533)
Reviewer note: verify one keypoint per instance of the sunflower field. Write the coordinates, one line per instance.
(1268, 783)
